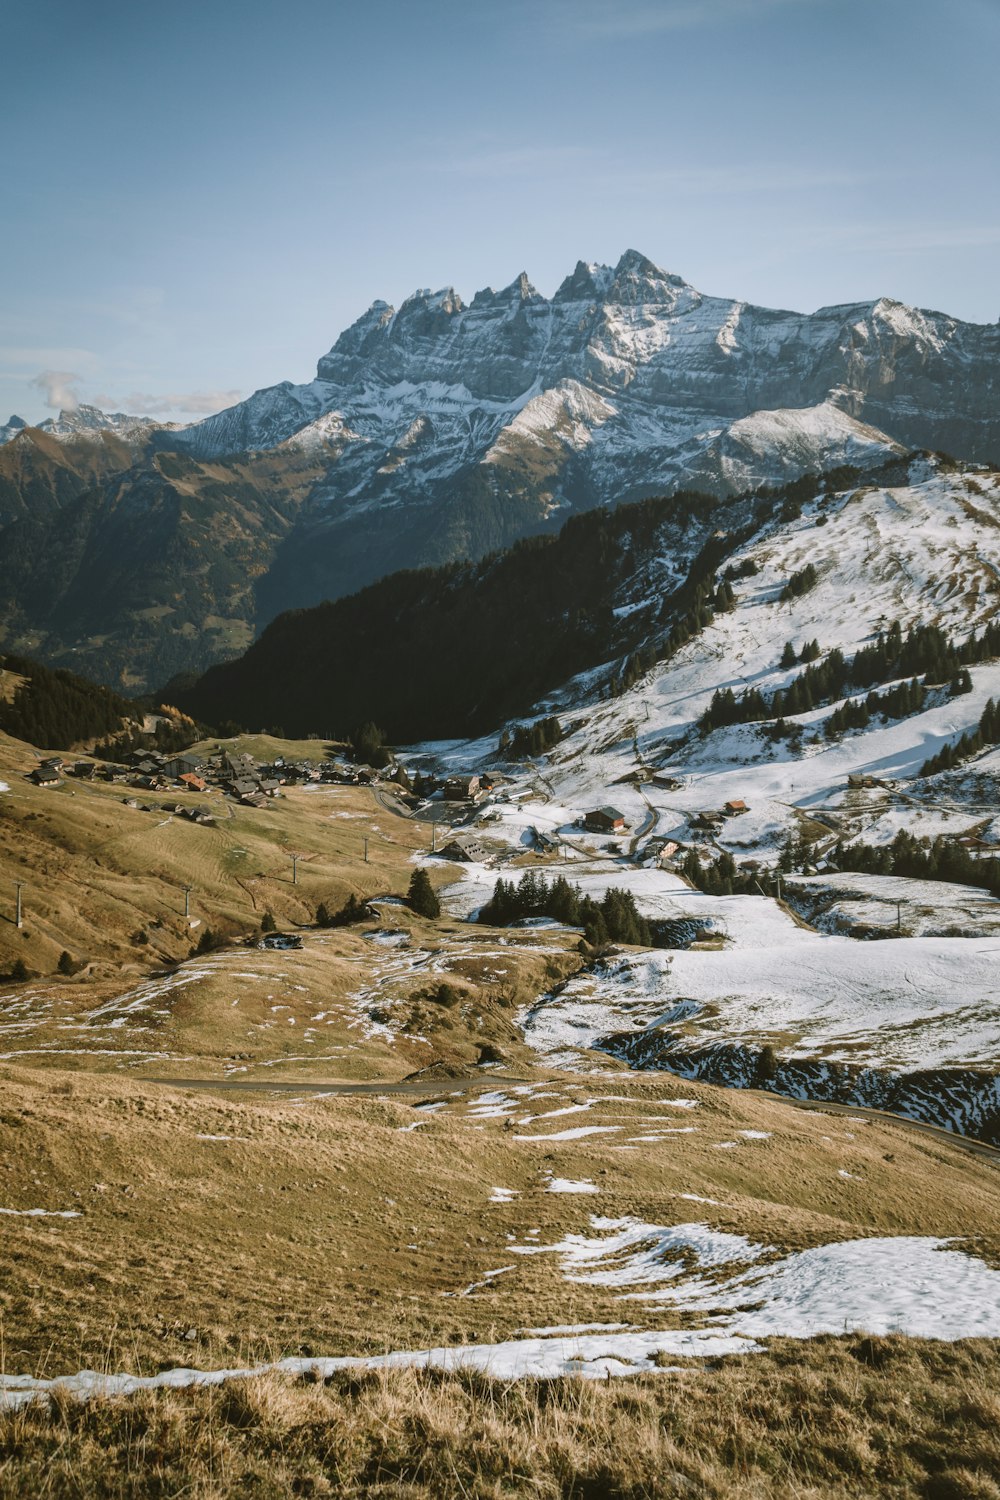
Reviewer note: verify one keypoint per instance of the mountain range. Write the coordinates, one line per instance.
(443, 430)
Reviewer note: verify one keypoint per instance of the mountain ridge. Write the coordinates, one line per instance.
(444, 430)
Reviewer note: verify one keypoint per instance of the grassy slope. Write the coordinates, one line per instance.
(845, 1418)
(324, 1225)
(320, 1225)
(96, 870)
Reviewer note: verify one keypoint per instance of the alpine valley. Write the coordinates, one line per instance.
(441, 431)
(545, 921)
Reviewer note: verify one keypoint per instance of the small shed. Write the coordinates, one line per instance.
(604, 820)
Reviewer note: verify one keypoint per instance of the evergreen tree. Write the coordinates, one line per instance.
(421, 895)
(65, 964)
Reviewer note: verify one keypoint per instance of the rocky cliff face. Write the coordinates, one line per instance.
(442, 430)
(460, 427)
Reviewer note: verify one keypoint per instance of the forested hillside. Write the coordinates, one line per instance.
(455, 650)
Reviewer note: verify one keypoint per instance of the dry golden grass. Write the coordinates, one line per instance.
(843, 1417)
(96, 871)
(218, 1229)
(323, 1226)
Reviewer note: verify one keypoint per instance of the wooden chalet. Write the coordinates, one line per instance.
(463, 788)
(604, 820)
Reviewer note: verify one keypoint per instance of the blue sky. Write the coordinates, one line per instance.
(198, 197)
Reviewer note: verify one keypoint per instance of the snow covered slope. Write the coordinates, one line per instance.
(469, 425)
(907, 1019)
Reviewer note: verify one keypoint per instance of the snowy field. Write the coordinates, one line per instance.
(732, 1294)
(876, 904)
(911, 1003)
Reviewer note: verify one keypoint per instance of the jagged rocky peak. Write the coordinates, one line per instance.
(587, 282)
(637, 279)
(514, 296)
(12, 428)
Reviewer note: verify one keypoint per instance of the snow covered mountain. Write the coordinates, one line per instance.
(440, 430)
(72, 422)
(452, 429)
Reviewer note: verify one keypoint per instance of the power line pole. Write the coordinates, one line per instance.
(366, 851)
(19, 918)
(187, 900)
(295, 869)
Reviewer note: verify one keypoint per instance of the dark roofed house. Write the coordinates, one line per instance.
(467, 851)
(45, 776)
(181, 765)
(604, 820)
(461, 788)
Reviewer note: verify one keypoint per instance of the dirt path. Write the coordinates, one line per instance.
(429, 1086)
(882, 1117)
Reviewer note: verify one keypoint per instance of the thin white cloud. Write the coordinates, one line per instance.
(29, 357)
(194, 403)
(597, 19)
(60, 389)
(599, 169)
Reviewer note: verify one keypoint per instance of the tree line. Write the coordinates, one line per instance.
(613, 919)
(56, 710)
(949, 756)
(925, 650)
(921, 859)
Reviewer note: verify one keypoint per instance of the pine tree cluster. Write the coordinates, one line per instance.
(988, 733)
(723, 877)
(921, 859)
(57, 710)
(925, 649)
(800, 583)
(897, 702)
(531, 740)
(615, 919)
(353, 910)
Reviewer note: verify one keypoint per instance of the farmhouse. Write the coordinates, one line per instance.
(604, 820)
(180, 766)
(466, 851)
(735, 808)
(462, 788)
(193, 782)
(45, 776)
